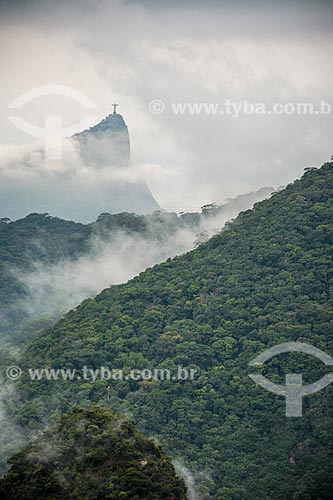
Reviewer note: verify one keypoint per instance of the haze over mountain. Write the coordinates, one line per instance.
(184, 51)
(145, 261)
(49, 265)
(94, 175)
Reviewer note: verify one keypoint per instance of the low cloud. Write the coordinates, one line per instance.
(68, 188)
(67, 283)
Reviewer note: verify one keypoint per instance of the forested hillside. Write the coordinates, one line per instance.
(264, 280)
(92, 454)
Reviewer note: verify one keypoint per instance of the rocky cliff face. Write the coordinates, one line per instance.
(106, 147)
(106, 143)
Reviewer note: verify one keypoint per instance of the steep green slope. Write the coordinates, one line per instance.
(92, 454)
(266, 279)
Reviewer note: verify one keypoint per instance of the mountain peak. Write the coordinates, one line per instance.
(106, 143)
(113, 122)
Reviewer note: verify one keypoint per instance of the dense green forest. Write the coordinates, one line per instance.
(92, 454)
(265, 279)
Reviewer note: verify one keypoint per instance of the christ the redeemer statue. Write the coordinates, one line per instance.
(114, 107)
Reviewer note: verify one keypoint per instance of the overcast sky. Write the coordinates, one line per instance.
(134, 52)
